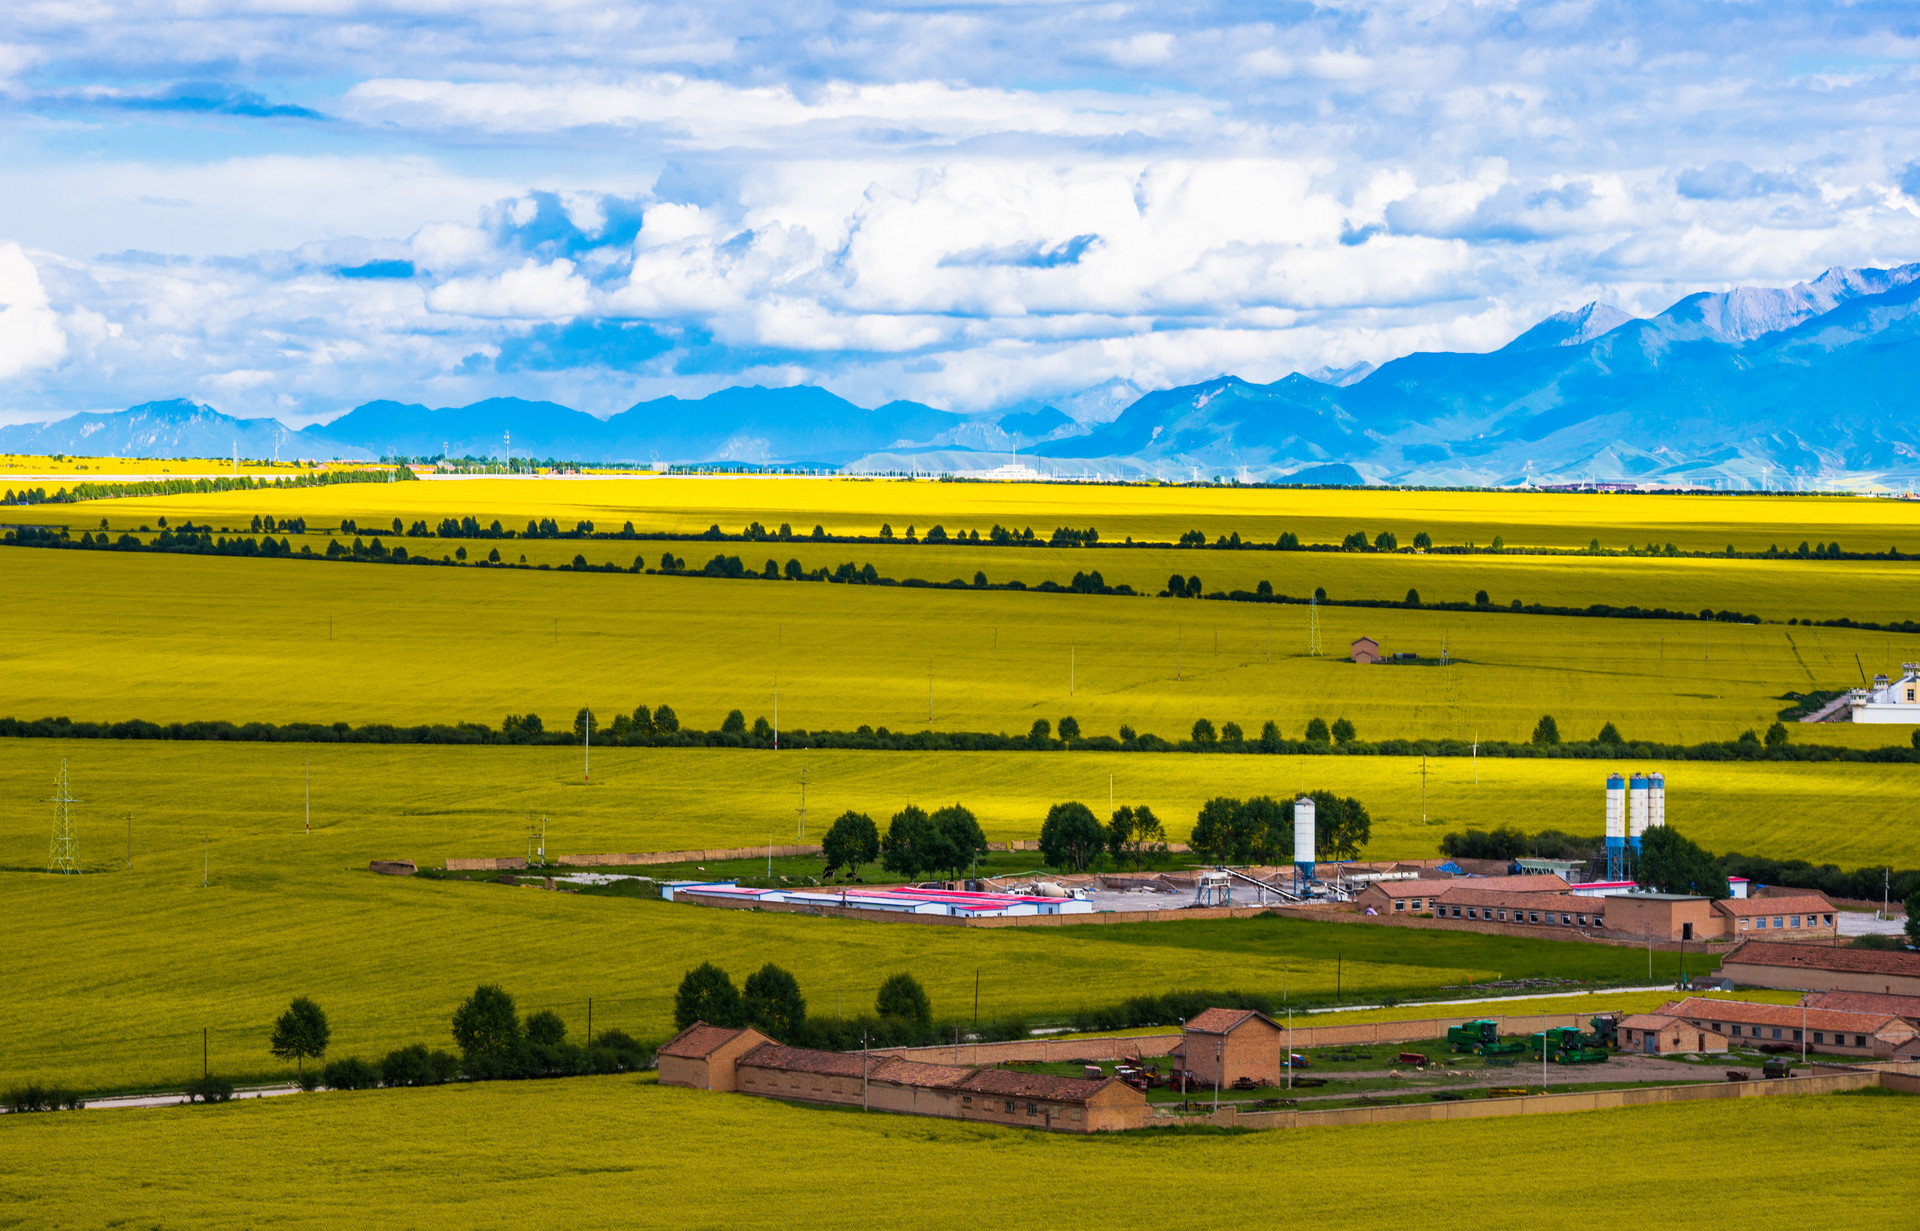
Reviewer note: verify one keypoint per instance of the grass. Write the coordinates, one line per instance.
(1155, 513)
(618, 1152)
(426, 803)
(292, 640)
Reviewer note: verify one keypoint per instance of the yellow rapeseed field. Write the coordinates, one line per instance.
(167, 638)
(1159, 513)
(621, 1152)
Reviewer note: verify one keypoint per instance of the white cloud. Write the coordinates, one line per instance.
(1154, 47)
(531, 292)
(30, 333)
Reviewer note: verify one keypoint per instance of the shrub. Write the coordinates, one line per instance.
(416, 1066)
(210, 1089)
(1203, 732)
(772, 1001)
(351, 1073)
(34, 1097)
(1317, 732)
(903, 998)
(1343, 732)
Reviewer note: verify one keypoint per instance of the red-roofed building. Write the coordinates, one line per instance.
(703, 1057)
(1907, 1007)
(1225, 1045)
(1663, 1034)
(1823, 1030)
(1823, 968)
(1802, 917)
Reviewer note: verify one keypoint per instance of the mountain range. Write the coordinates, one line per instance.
(1744, 388)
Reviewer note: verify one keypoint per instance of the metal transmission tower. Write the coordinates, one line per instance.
(60, 856)
(1313, 626)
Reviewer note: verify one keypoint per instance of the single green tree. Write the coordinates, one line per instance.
(1317, 732)
(772, 1002)
(1546, 731)
(735, 723)
(853, 840)
(1343, 732)
(1230, 733)
(1609, 734)
(642, 721)
(585, 723)
(1041, 732)
(901, 997)
(1069, 728)
(301, 1033)
(961, 840)
(546, 1028)
(1777, 735)
(912, 844)
(1263, 830)
(1270, 736)
(485, 1024)
(707, 995)
(1341, 826)
(1071, 837)
(1671, 863)
(1214, 836)
(665, 720)
(1203, 732)
(1413, 597)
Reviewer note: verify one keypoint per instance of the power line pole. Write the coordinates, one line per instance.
(60, 856)
(803, 803)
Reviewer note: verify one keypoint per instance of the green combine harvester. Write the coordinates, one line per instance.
(1482, 1038)
(1566, 1045)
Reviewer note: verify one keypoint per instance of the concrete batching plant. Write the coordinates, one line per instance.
(1303, 840)
(1633, 807)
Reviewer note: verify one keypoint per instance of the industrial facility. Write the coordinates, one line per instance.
(1888, 700)
(905, 900)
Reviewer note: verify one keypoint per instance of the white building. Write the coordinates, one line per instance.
(1889, 701)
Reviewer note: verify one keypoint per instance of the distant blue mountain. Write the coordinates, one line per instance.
(1738, 388)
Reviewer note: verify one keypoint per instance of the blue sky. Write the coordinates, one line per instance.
(289, 209)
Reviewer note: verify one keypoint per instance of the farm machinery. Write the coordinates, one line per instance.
(1566, 1045)
(1482, 1038)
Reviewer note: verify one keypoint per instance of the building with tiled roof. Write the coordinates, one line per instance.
(913, 1087)
(1224, 1045)
(1823, 1030)
(1907, 1007)
(1803, 916)
(1823, 968)
(1664, 1034)
(702, 1057)
(1466, 902)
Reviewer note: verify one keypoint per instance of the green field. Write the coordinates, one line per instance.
(614, 1151)
(168, 638)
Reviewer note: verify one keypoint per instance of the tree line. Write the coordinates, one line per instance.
(661, 728)
(201, 487)
(770, 1001)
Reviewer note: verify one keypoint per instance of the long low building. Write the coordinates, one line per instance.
(750, 1063)
(893, 899)
(1823, 968)
(1551, 903)
(1664, 1034)
(1880, 1035)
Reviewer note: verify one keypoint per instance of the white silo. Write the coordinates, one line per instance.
(1656, 800)
(1616, 827)
(1303, 838)
(1636, 811)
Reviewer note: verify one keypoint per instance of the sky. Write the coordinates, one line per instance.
(290, 207)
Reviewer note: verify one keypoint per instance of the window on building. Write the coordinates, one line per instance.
(1716, 1027)
(1827, 919)
(1583, 921)
(1033, 1109)
(1859, 1040)
(1796, 1036)
(1009, 1104)
(1776, 1032)
(1599, 921)
(1503, 916)
(1794, 922)
(1456, 912)
(1533, 916)
(1819, 1037)
(1776, 921)
(1471, 914)
(1736, 1032)
(1401, 905)
(1743, 925)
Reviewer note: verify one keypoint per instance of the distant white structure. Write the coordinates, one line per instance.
(1888, 700)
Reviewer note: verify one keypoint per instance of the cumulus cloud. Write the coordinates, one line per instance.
(595, 203)
(30, 332)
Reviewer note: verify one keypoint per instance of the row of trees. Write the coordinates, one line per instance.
(947, 840)
(1546, 733)
(1260, 830)
(495, 1043)
(770, 1001)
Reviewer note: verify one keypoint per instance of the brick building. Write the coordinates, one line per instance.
(1907, 1007)
(702, 1057)
(1228, 1044)
(1664, 916)
(1417, 896)
(1803, 917)
(1512, 907)
(1825, 1030)
(1664, 1034)
(1822, 968)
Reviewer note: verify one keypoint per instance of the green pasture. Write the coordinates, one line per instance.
(688, 505)
(620, 1151)
(170, 638)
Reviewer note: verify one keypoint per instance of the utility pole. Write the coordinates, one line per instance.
(929, 690)
(1423, 788)
(1178, 638)
(586, 766)
(803, 803)
(206, 861)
